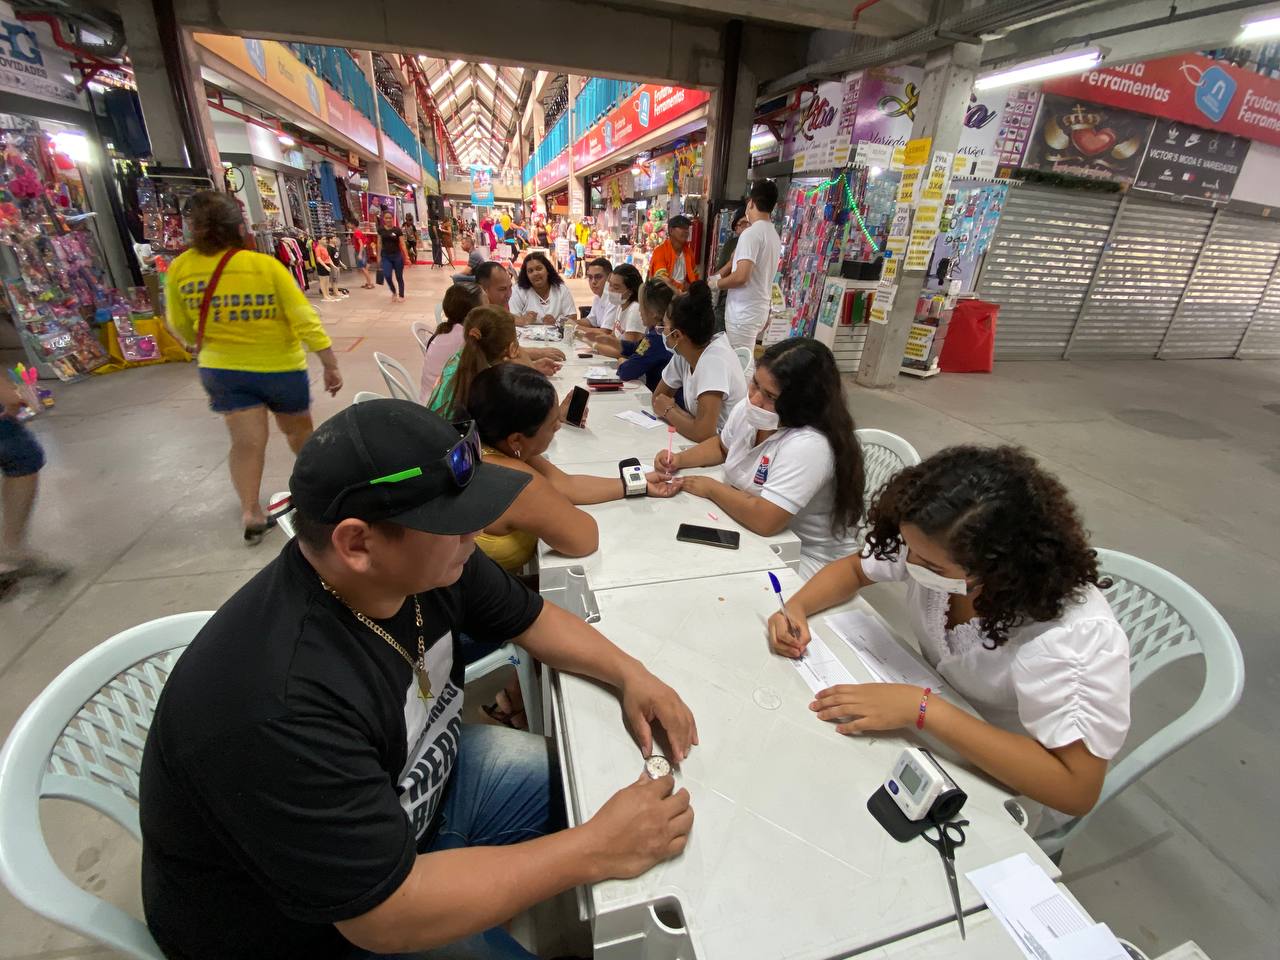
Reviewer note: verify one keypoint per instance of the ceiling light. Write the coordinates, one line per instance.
(1261, 27)
(286, 140)
(1057, 65)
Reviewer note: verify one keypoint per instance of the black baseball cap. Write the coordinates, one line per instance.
(396, 461)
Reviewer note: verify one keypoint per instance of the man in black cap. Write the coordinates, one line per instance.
(308, 788)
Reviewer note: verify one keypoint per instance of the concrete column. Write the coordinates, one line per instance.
(577, 197)
(729, 121)
(411, 118)
(944, 98)
(378, 182)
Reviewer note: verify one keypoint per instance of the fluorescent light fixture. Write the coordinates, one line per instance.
(1060, 64)
(286, 140)
(1261, 27)
(74, 145)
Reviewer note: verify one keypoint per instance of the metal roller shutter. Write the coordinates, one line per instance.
(1141, 278)
(1263, 338)
(1238, 260)
(1039, 265)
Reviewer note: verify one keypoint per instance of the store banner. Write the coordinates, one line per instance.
(401, 160)
(31, 63)
(1016, 126)
(983, 123)
(553, 172)
(650, 108)
(1187, 87)
(482, 186)
(274, 65)
(811, 136)
(1189, 161)
(1088, 140)
(888, 98)
(350, 122)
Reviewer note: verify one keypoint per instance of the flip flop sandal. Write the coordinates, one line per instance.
(516, 721)
(255, 532)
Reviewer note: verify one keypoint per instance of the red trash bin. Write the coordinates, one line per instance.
(970, 346)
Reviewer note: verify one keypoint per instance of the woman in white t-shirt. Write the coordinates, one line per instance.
(541, 295)
(791, 459)
(1002, 593)
(622, 290)
(704, 367)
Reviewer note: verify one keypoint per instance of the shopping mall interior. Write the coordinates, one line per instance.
(1045, 224)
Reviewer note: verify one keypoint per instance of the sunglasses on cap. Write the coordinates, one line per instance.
(461, 461)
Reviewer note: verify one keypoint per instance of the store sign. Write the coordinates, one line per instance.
(482, 186)
(1016, 126)
(1189, 88)
(812, 133)
(400, 159)
(31, 64)
(888, 98)
(274, 65)
(648, 109)
(553, 172)
(1190, 161)
(1088, 140)
(351, 123)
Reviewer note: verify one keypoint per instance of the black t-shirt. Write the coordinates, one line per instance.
(293, 771)
(389, 238)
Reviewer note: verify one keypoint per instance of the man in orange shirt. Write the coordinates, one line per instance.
(674, 258)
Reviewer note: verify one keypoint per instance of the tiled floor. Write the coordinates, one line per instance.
(1176, 462)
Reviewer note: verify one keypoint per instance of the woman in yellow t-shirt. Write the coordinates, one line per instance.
(251, 353)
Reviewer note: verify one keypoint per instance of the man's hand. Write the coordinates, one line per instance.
(663, 486)
(638, 827)
(646, 699)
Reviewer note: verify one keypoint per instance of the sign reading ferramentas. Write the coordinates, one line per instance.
(30, 63)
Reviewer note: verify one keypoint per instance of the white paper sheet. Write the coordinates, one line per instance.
(820, 668)
(885, 659)
(1091, 943)
(638, 418)
(601, 373)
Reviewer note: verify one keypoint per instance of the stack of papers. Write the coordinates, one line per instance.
(1040, 918)
(601, 373)
(639, 419)
(885, 659)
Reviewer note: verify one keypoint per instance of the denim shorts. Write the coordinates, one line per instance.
(20, 452)
(232, 390)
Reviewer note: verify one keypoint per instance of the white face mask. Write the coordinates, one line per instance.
(613, 297)
(761, 419)
(936, 581)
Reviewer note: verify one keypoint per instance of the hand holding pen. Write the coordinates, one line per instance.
(788, 628)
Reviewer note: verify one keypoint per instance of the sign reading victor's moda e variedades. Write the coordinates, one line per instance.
(30, 63)
(1191, 161)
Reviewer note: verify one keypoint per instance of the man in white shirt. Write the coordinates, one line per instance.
(604, 314)
(748, 280)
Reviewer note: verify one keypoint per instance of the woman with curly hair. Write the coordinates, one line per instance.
(1002, 592)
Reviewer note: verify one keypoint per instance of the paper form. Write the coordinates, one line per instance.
(819, 666)
(639, 419)
(885, 659)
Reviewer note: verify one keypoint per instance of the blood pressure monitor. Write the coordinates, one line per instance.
(921, 788)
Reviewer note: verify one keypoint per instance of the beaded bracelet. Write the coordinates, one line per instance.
(924, 705)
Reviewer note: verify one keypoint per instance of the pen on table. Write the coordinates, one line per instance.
(648, 414)
(777, 589)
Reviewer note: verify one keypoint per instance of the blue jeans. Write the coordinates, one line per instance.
(393, 267)
(503, 790)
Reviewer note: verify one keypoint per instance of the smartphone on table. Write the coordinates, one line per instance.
(710, 536)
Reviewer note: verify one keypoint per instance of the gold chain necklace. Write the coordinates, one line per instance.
(420, 665)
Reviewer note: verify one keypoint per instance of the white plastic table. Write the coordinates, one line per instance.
(784, 860)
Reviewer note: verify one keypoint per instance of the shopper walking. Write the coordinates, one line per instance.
(248, 321)
(393, 254)
(21, 460)
(410, 238)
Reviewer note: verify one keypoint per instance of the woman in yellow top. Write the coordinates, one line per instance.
(516, 413)
(251, 352)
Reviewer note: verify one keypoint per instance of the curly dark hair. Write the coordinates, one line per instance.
(1001, 517)
(553, 278)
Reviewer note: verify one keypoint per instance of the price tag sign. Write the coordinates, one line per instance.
(916, 152)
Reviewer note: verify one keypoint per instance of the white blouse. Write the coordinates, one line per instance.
(558, 303)
(1057, 682)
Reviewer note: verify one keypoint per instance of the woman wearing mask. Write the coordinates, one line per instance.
(650, 356)
(393, 254)
(459, 300)
(1002, 593)
(251, 359)
(622, 292)
(791, 459)
(703, 365)
(541, 295)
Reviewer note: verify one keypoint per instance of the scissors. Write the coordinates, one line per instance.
(950, 836)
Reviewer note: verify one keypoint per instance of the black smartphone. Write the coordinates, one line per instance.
(577, 406)
(688, 533)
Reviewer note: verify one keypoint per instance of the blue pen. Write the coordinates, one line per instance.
(777, 589)
(648, 414)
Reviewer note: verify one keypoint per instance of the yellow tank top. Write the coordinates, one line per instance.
(511, 551)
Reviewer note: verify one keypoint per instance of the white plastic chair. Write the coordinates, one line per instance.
(746, 357)
(439, 315)
(364, 395)
(421, 333)
(82, 739)
(507, 655)
(1165, 619)
(883, 455)
(395, 376)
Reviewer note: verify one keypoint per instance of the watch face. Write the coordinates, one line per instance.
(657, 767)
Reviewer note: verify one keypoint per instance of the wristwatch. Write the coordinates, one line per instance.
(657, 767)
(634, 483)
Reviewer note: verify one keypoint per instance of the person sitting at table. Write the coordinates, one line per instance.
(650, 356)
(628, 329)
(459, 300)
(791, 458)
(541, 295)
(704, 366)
(494, 279)
(602, 312)
(1003, 597)
(324, 800)
(488, 337)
